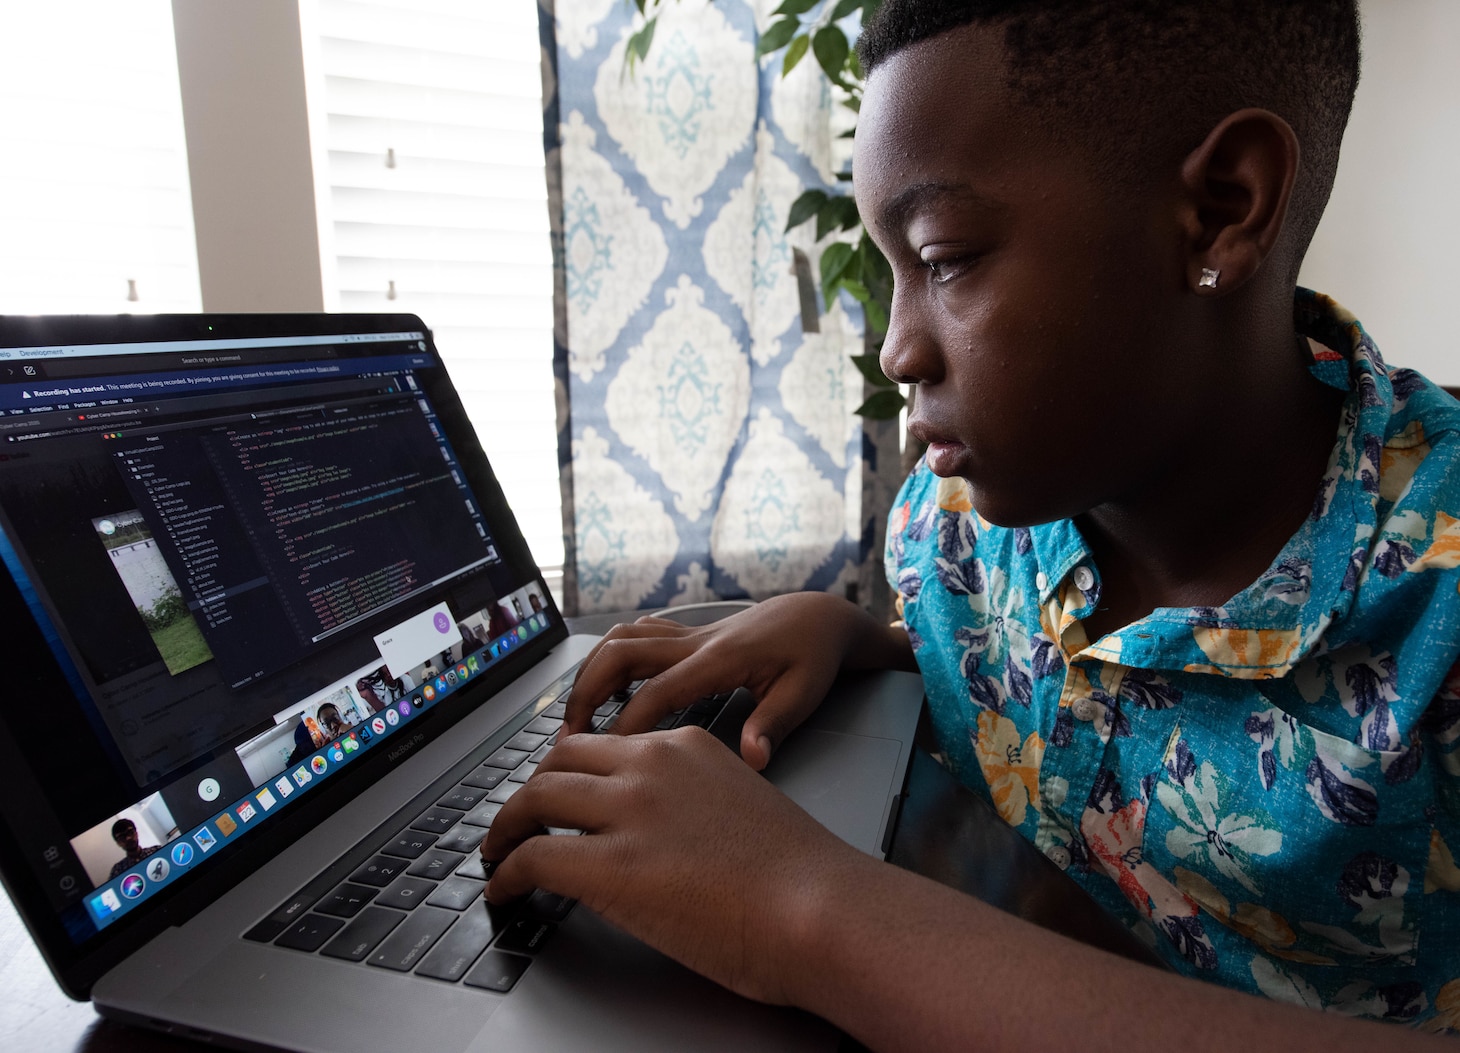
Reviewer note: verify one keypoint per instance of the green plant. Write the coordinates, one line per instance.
(851, 263)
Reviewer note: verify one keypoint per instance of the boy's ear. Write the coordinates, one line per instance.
(1237, 186)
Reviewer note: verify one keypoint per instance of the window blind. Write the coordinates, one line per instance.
(436, 203)
(95, 208)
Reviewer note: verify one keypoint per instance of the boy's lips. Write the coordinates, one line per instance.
(947, 456)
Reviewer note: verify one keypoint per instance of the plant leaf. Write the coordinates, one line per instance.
(795, 53)
(857, 289)
(644, 37)
(834, 262)
(844, 8)
(777, 36)
(870, 367)
(883, 405)
(839, 210)
(876, 316)
(804, 207)
(831, 49)
(795, 7)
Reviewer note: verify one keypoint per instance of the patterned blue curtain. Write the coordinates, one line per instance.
(706, 437)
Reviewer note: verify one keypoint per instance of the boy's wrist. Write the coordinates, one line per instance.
(819, 926)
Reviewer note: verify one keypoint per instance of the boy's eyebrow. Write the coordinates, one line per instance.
(894, 215)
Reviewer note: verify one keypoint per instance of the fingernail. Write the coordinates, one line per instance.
(765, 744)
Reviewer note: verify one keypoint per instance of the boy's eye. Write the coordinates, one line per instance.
(943, 271)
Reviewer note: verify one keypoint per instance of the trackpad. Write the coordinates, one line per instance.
(844, 781)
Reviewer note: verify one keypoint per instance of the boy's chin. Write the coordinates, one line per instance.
(1012, 507)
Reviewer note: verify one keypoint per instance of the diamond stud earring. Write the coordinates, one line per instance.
(1208, 278)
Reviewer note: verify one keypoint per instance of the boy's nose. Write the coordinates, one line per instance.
(909, 352)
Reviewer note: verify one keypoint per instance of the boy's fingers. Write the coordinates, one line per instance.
(551, 863)
(697, 675)
(781, 712)
(588, 754)
(630, 652)
(566, 799)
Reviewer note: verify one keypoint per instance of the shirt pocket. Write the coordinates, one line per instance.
(1303, 844)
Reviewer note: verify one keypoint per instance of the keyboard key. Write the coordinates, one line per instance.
(485, 777)
(558, 710)
(541, 752)
(457, 893)
(497, 971)
(526, 741)
(408, 944)
(549, 905)
(543, 725)
(436, 820)
(346, 901)
(523, 772)
(362, 934)
(309, 933)
(710, 704)
(509, 759)
(482, 815)
(526, 936)
(463, 838)
(411, 843)
(699, 718)
(282, 918)
(436, 864)
(463, 798)
(504, 792)
(475, 867)
(380, 871)
(453, 956)
(405, 892)
(610, 707)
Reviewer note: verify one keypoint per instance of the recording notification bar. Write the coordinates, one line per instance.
(10, 354)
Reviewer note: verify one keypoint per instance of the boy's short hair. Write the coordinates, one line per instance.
(1139, 83)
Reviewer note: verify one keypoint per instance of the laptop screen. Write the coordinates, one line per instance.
(242, 554)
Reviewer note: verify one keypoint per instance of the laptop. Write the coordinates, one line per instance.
(278, 651)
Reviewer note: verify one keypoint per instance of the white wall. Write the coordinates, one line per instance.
(1385, 248)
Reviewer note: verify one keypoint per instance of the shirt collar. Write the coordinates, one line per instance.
(1304, 590)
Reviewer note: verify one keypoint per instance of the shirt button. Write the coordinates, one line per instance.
(1059, 855)
(1041, 581)
(1084, 578)
(1085, 709)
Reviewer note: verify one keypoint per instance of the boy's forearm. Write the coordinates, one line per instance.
(903, 963)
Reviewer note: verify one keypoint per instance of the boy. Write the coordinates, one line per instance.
(1178, 570)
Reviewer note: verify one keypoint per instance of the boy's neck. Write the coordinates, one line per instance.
(1227, 503)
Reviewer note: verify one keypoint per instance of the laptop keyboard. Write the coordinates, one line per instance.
(409, 897)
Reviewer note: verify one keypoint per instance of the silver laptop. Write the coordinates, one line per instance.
(277, 653)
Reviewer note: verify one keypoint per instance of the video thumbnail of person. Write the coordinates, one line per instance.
(512, 610)
(301, 729)
(113, 846)
(148, 581)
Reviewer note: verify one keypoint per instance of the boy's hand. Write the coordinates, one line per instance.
(682, 845)
(786, 651)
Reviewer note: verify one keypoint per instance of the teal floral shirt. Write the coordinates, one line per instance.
(1268, 792)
